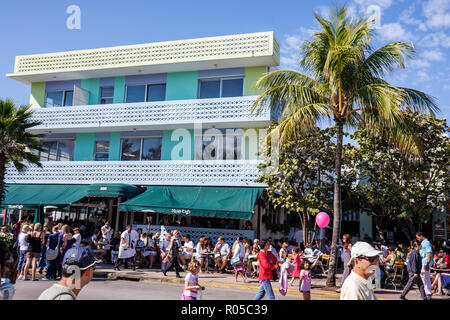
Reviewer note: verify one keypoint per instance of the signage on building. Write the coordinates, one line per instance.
(181, 211)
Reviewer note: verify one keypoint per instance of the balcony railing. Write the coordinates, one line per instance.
(176, 172)
(149, 115)
(252, 49)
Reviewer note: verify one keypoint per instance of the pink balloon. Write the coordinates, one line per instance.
(322, 220)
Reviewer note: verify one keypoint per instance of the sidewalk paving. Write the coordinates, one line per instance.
(218, 280)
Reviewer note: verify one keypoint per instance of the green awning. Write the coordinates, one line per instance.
(113, 190)
(35, 195)
(223, 202)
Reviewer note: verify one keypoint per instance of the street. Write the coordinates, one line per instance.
(140, 290)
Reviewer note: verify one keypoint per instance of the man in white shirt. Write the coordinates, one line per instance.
(77, 237)
(188, 250)
(126, 249)
(223, 252)
(365, 261)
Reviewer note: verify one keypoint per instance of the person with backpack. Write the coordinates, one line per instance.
(52, 254)
(77, 271)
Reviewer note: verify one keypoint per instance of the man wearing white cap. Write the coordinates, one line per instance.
(365, 261)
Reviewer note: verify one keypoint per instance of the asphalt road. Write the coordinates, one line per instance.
(102, 289)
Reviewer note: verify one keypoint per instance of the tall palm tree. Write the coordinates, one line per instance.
(344, 83)
(16, 144)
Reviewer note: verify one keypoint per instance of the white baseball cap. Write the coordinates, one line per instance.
(362, 248)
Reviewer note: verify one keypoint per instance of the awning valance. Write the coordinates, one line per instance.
(113, 190)
(35, 195)
(224, 202)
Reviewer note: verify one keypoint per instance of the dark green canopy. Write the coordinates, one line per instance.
(113, 190)
(35, 195)
(223, 202)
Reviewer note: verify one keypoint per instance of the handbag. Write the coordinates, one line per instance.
(52, 254)
(235, 261)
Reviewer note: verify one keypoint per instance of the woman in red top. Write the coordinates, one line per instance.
(267, 262)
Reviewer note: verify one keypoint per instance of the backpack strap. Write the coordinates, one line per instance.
(60, 294)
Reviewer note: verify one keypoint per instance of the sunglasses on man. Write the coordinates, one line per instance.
(370, 259)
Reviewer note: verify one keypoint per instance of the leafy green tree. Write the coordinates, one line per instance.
(343, 83)
(301, 183)
(402, 188)
(16, 143)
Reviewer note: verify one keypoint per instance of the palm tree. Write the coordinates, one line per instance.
(16, 144)
(346, 86)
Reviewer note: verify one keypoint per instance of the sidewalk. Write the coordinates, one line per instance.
(227, 281)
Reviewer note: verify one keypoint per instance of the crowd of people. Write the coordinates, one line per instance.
(42, 248)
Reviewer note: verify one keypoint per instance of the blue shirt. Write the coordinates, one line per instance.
(53, 241)
(426, 248)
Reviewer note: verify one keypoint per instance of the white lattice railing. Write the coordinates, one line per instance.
(251, 45)
(230, 235)
(150, 114)
(174, 172)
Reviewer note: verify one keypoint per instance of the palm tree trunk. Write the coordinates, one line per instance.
(337, 209)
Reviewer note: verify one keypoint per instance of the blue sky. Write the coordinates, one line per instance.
(29, 27)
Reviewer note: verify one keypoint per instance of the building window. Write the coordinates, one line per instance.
(148, 148)
(143, 93)
(106, 95)
(216, 144)
(217, 88)
(101, 150)
(59, 98)
(57, 150)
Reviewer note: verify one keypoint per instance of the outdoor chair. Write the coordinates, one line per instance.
(445, 284)
(395, 276)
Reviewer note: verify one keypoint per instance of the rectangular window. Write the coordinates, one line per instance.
(61, 150)
(215, 144)
(150, 92)
(232, 87)
(156, 92)
(135, 93)
(59, 98)
(106, 95)
(131, 149)
(209, 89)
(148, 148)
(101, 150)
(217, 88)
(151, 149)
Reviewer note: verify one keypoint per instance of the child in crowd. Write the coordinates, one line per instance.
(297, 262)
(191, 285)
(305, 279)
(283, 251)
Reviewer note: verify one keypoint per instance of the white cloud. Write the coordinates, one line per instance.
(433, 55)
(437, 13)
(423, 76)
(394, 32)
(381, 3)
(434, 40)
(290, 47)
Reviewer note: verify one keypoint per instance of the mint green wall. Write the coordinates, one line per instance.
(37, 97)
(84, 147)
(182, 85)
(251, 75)
(168, 145)
(114, 146)
(119, 90)
(93, 86)
(251, 143)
